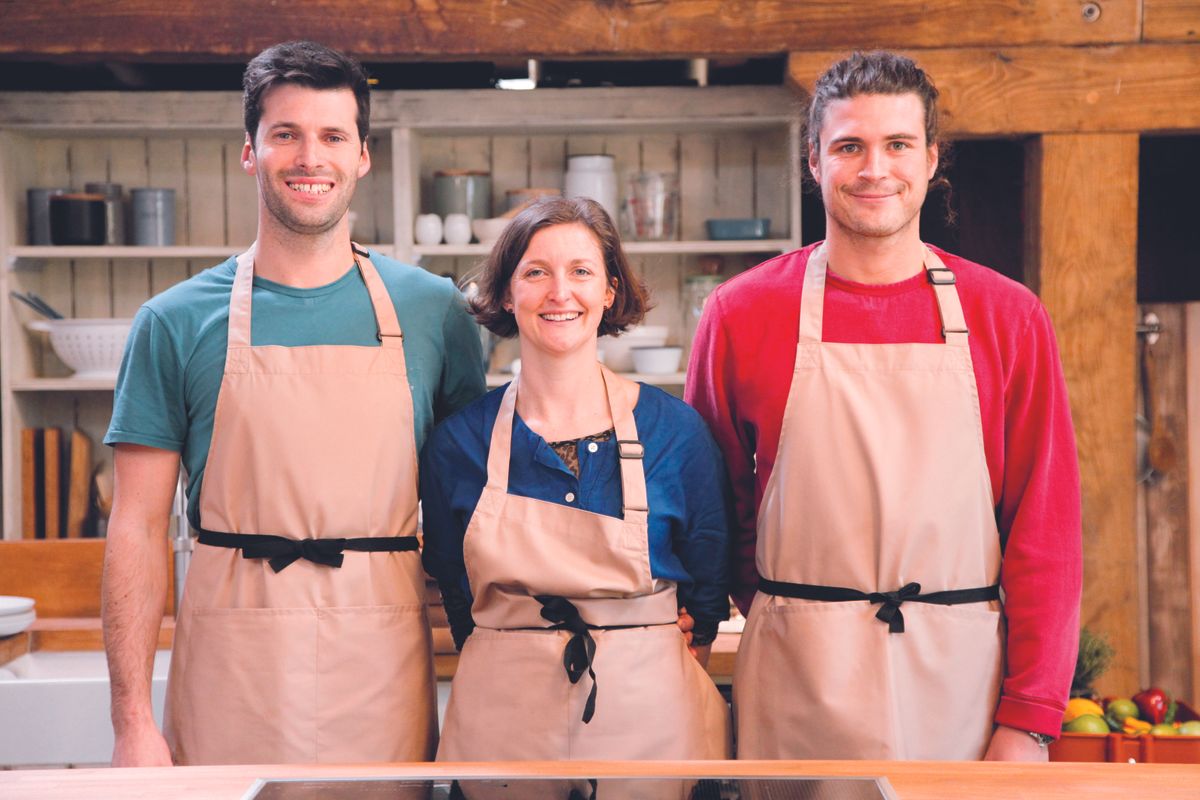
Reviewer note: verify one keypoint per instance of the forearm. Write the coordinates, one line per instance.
(132, 605)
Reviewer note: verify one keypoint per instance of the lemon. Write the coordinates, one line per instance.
(1078, 706)
(1087, 723)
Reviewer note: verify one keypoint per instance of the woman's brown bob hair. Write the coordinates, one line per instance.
(631, 301)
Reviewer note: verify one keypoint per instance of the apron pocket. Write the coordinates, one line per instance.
(375, 689)
(247, 686)
(947, 680)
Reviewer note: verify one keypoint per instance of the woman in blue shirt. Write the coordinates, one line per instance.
(570, 518)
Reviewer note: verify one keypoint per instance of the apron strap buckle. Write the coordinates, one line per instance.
(940, 276)
(630, 448)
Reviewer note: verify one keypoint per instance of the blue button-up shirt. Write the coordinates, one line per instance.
(685, 487)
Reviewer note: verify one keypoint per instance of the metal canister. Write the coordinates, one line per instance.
(38, 208)
(462, 191)
(114, 210)
(153, 212)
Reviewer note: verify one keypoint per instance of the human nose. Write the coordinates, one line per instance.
(310, 154)
(561, 289)
(872, 167)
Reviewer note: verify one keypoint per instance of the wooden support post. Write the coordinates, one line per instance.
(1081, 257)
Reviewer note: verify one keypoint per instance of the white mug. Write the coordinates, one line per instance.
(428, 229)
(457, 229)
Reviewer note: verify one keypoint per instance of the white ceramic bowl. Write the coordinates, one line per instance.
(13, 604)
(489, 230)
(657, 360)
(617, 350)
(91, 347)
(15, 623)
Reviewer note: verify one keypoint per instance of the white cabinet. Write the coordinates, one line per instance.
(733, 150)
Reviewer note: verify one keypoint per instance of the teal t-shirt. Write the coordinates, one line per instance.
(174, 359)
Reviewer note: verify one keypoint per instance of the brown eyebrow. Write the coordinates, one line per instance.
(294, 125)
(890, 137)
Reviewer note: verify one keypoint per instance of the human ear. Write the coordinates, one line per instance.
(249, 165)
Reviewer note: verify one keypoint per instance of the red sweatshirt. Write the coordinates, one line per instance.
(738, 379)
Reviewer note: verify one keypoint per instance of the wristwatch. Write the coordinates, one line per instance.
(1043, 739)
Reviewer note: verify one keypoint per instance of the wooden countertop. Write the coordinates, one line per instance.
(911, 780)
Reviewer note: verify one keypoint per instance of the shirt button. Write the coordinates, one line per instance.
(593, 447)
(570, 497)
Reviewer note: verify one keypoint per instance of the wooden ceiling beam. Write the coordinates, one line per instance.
(419, 30)
(1027, 90)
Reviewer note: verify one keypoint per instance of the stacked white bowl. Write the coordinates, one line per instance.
(618, 350)
(16, 614)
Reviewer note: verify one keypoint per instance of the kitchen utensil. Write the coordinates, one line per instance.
(15, 623)
(77, 219)
(488, 231)
(462, 191)
(38, 208)
(651, 209)
(428, 229)
(11, 604)
(748, 228)
(114, 210)
(617, 349)
(91, 347)
(37, 304)
(593, 176)
(656, 360)
(457, 229)
(153, 212)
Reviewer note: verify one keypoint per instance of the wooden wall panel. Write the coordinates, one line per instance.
(457, 29)
(1192, 322)
(987, 92)
(1168, 507)
(1082, 254)
(1171, 20)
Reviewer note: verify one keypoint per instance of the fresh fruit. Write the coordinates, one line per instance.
(1087, 723)
(1078, 706)
(1153, 704)
(1190, 728)
(1163, 729)
(1122, 707)
(1135, 727)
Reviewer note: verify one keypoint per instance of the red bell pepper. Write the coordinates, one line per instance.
(1153, 703)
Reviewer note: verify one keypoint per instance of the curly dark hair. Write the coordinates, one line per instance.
(631, 300)
(304, 64)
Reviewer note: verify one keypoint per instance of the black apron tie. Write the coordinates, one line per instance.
(889, 611)
(580, 651)
(282, 552)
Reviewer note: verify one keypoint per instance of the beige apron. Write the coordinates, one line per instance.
(313, 662)
(512, 697)
(880, 482)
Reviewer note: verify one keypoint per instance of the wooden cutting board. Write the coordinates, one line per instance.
(52, 461)
(79, 483)
(31, 442)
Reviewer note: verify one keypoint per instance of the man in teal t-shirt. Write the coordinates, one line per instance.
(306, 112)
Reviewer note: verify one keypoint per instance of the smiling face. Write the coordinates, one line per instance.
(559, 291)
(874, 165)
(307, 157)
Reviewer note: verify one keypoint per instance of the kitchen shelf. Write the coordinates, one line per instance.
(696, 247)
(495, 379)
(731, 147)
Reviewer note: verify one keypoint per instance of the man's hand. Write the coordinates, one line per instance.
(1010, 744)
(686, 622)
(142, 747)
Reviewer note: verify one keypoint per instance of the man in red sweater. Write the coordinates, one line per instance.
(896, 427)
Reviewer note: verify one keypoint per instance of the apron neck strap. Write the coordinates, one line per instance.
(812, 300)
(387, 323)
(630, 450)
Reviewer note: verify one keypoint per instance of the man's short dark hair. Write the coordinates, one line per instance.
(303, 64)
(630, 302)
(878, 72)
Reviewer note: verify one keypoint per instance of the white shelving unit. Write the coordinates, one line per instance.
(732, 148)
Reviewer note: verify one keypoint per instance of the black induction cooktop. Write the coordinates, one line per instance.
(549, 788)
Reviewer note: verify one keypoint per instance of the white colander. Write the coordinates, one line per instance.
(90, 347)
